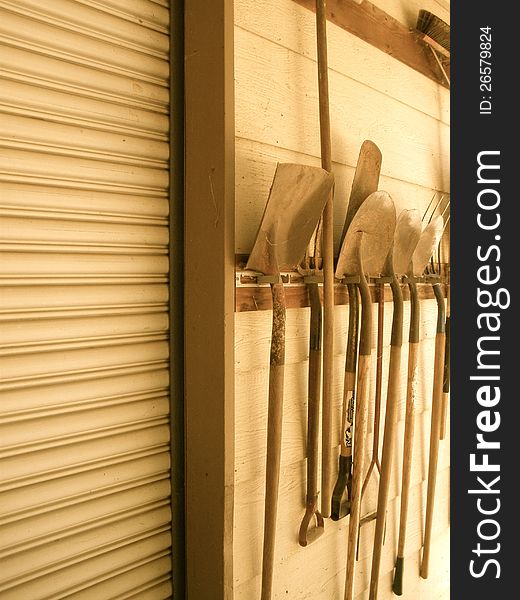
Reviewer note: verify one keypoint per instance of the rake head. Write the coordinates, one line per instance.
(438, 205)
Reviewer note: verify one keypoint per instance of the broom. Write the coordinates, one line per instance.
(434, 27)
(436, 33)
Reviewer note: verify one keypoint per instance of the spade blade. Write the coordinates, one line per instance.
(375, 219)
(428, 242)
(366, 180)
(296, 200)
(406, 238)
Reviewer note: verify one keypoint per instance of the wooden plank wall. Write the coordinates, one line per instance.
(373, 96)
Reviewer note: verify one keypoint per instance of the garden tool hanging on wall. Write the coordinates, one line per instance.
(296, 200)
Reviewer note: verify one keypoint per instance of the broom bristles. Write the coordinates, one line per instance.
(434, 27)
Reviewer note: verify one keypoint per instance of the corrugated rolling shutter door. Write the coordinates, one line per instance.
(84, 410)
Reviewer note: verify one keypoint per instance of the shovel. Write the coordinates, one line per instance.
(421, 256)
(327, 243)
(314, 273)
(364, 249)
(437, 400)
(365, 182)
(407, 233)
(296, 200)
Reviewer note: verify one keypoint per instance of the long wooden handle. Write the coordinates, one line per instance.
(341, 494)
(323, 85)
(379, 369)
(314, 391)
(274, 436)
(328, 374)
(409, 430)
(340, 504)
(328, 262)
(360, 430)
(434, 449)
(438, 372)
(347, 417)
(312, 515)
(446, 381)
(374, 461)
(392, 402)
(350, 371)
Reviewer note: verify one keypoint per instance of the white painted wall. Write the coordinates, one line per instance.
(373, 96)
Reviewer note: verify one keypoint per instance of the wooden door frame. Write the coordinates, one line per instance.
(209, 297)
(176, 298)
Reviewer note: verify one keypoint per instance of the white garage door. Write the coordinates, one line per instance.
(84, 409)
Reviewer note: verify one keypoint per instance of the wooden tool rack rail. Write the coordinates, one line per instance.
(252, 296)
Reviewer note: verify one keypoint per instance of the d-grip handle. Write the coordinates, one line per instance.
(342, 492)
(307, 533)
(312, 525)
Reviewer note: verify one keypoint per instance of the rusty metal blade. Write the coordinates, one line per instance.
(428, 242)
(376, 219)
(366, 180)
(296, 200)
(406, 238)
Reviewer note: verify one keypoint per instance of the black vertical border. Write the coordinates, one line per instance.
(471, 133)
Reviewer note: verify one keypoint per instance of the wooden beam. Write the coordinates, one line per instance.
(176, 314)
(209, 325)
(381, 30)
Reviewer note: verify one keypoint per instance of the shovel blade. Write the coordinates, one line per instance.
(296, 200)
(428, 242)
(375, 219)
(366, 180)
(406, 237)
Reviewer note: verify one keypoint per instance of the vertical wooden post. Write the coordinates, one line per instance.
(209, 297)
(176, 321)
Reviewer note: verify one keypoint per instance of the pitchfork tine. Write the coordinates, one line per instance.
(443, 230)
(435, 209)
(428, 207)
(431, 266)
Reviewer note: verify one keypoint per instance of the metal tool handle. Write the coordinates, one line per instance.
(409, 430)
(363, 389)
(389, 434)
(446, 381)
(438, 372)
